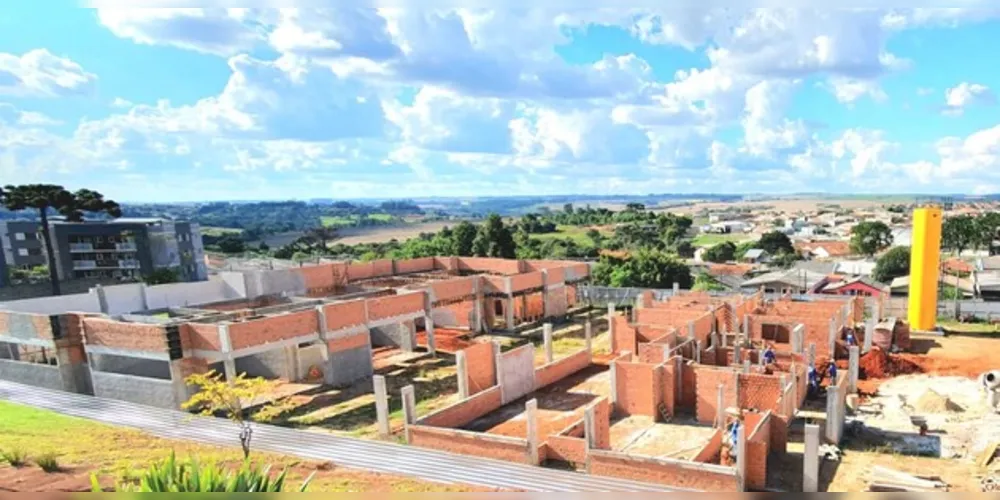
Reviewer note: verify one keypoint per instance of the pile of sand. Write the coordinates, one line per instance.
(933, 402)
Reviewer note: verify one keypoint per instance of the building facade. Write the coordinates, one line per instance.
(125, 249)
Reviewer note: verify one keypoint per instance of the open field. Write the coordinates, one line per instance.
(791, 205)
(115, 454)
(576, 233)
(382, 234)
(219, 231)
(349, 220)
(711, 239)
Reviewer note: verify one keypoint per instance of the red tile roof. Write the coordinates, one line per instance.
(834, 248)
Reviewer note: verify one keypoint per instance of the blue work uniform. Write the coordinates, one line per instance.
(851, 340)
(769, 356)
(833, 373)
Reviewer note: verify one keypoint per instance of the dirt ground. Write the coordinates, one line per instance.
(954, 355)
(378, 234)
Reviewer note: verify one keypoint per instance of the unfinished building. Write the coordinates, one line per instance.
(658, 410)
(139, 343)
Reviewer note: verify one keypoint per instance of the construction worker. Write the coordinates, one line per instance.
(833, 372)
(770, 357)
(730, 442)
(813, 378)
(851, 340)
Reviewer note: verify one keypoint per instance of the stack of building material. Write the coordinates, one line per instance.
(884, 479)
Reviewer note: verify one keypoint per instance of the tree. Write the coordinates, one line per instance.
(892, 265)
(684, 249)
(230, 243)
(323, 234)
(595, 236)
(643, 268)
(705, 283)
(987, 228)
(723, 252)
(162, 276)
(464, 236)
(959, 233)
(568, 208)
(635, 207)
(46, 197)
(870, 237)
(231, 398)
(745, 247)
(494, 240)
(775, 243)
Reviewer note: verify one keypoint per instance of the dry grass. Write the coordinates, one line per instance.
(120, 452)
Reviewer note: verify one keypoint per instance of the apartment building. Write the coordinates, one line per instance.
(119, 249)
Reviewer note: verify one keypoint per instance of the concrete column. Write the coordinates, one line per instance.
(869, 334)
(741, 455)
(614, 384)
(531, 414)
(381, 405)
(590, 428)
(143, 297)
(409, 409)
(588, 335)
(228, 364)
(611, 328)
(102, 298)
(746, 365)
(477, 310)
(691, 332)
(737, 354)
(508, 313)
(833, 414)
(715, 340)
(720, 407)
(798, 338)
(463, 374)
(291, 362)
(880, 308)
(697, 351)
(547, 337)
(178, 384)
(810, 465)
(833, 338)
(677, 288)
(746, 325)
(854, 368)
(545, 293)
(812, 355)
(847, 319)
(429, 330)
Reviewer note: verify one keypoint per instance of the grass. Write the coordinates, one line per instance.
(219, 231)
(48, 461)
(121, 452)
(953, 326)
(711, 239)
(576, 233)
(383, 217)
(336, 221)
(16, 457)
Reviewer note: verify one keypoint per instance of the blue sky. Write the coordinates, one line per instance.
(196, 104)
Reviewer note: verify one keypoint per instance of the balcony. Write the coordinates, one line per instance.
(81, 247)
(125, 247)
(128, 264)
(84, 264)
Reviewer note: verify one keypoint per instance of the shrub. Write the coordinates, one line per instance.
(49, 462)
(15, 457)
(172, 476)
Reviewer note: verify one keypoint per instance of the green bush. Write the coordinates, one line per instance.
(172, 476)
(49, 462)
(15, 457)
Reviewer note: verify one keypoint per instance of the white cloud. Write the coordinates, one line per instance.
(966, 94)
(39, 73)
(215, 31)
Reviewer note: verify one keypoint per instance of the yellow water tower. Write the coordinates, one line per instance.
(925, 262)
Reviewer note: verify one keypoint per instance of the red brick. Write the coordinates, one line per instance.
(135, 336)
(480, 367)
(272, 329)
(672, 473)
(560, 369)
(341, 344)
(468, 443)
(463, 412)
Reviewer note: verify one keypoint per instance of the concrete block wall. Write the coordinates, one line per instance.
(350, 359)
(142, 390)
(516, 372)
(36, 374)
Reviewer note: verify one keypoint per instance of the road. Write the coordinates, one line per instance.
(388, 458)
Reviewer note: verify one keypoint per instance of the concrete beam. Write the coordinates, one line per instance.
(461, 364)
(833, 338)
(381, 405)
(810, 460)
(531, 414)
(409, 409)
(854, 368)
(547, 336)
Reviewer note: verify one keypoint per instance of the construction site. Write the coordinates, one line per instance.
(511, 360)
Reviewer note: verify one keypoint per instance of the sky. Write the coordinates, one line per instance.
(406, 100)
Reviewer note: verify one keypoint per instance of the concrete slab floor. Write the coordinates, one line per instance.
(640, 435)
(559, 405)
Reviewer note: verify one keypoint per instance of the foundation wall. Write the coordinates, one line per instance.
(469, 443)
(34, 374)
(347, 366)
(480, 367)
(560, 369)
(464, 411)
(141, 390)
(677, 473)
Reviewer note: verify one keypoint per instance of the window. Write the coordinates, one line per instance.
(20, 236)
(23, 252)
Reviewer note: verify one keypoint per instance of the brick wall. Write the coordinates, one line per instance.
(133, 336)
(566, 448)
(707, 382)
(395, 305)
(638, 389)
(356, 341)
(708, 356)
(625, 336)
(320, 276)
(488, 265)
(481, 367)
(712, 452)
(561, 368)
(779, 433)
(453, 289)
(602, 424)
(526, 281)
(652, 353)
(464, 411)
(668, 385)
(688, 397)
(414, 265)
(469, 443)
(760, 392)
(200, 336)
(381, 267)
(703, 327)
(457, 315)
(677, 473)
(359, 271)
(272, 329)
(344, 314)
(555, 302)
(758, 447)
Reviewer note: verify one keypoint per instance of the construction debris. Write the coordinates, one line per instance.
(893, 480)
(987, 455)
(933, 402)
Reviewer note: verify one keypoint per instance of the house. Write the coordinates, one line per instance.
(855, 267)
(957, 267)
(902, 237)
(756, 256)
(858, 285)
(823, 249)
(901, 286)
(795, 281)
(726, 227)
